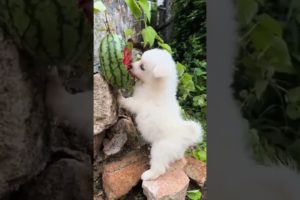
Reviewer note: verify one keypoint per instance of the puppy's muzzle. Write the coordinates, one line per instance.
(129, 68)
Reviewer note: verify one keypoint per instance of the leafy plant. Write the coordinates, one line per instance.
(99, 6)
(188, 41)
(194, 194)
(267, 79)
(189, 47)
(198, 152)
(149, 34)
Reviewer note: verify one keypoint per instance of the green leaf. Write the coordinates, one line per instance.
(128, 32)
(134, 8)
(159, 39)
(293, 110)
(187, 82)
(270, 24)
(199, 100)
(99, 6)
(194, 194)
(165, 47)
(200, 88)
(260, 39)
(261, 2)
(259, 87)
(264, 32)
(199, 72)
(293, 95)
(129, 45)
(279, 56)
(180, 69)
(149, 35)
(145, 6)
(201, 155)
(247, 9)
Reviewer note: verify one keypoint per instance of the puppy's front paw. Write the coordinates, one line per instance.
(121, 100)
(150, 175)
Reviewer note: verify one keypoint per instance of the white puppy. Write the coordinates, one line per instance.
(69, 107)
(158, 114)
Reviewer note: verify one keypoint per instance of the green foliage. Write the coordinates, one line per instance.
(144, 5)
(199, 152)
(194, 195)
(150, 36)
(128, 33)
(267, 79)
(99, 6)
(189, 47)
(188, 43)
(134, 7)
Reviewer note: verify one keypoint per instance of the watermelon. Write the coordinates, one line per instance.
(54, 32)
(111, 66)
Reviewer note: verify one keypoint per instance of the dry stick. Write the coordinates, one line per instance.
(107, 24)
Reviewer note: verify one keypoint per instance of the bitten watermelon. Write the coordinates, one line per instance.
(53, 31)
(111, 66)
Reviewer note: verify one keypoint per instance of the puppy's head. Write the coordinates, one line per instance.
(155, 64)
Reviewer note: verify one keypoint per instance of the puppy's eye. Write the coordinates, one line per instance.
(142, 67)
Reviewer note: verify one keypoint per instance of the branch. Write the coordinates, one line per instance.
(165, 25)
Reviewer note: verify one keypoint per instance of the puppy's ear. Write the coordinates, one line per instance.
(160, 71)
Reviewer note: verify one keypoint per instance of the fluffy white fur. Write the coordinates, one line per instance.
(76, 109)
(235, 175)
(158, 114)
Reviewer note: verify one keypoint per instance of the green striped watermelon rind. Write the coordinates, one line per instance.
(52, 31)
(111, 66)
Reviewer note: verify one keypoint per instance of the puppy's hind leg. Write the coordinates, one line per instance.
(162, 154)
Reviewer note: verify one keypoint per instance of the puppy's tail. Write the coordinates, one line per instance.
(194, 131)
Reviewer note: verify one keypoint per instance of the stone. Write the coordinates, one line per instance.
(98, 139)
(66, 139)
(204, 191)
(177, 165)
(98, 197)
(98, 169)
(196, 170)
(120, 176)
(76, 110)
(105, 106)
(170, 186)
(125, 125)
(115, 145)
(65, 179)
(124, 135)
(23, 146)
